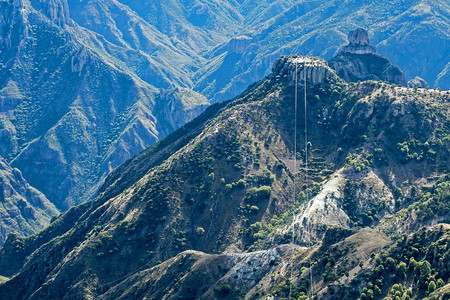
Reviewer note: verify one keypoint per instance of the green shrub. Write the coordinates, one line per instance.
(200, 231)
(223, 290)
(258, 194)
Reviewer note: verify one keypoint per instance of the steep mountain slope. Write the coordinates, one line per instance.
(196, 36)
(70, 112)
(57, 53)
(224, 184)
(23, 209)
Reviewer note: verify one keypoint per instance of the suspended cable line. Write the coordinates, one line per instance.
(294, 193)
(307, 194)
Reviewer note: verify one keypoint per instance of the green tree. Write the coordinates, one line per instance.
(431, 287)
(370, 294)
(377, 291)
(401, 269)
(390, 262)
(223, 290)
(200, 231)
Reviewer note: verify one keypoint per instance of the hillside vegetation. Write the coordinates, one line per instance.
(86, 85)
(369, 220)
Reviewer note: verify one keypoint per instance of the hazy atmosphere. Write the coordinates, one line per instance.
(225, 149)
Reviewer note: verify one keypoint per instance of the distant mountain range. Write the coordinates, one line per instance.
(86, 85)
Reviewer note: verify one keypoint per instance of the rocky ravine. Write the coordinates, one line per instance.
(69, 112)
(23, 209)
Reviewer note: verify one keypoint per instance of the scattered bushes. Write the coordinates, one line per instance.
(258, 194)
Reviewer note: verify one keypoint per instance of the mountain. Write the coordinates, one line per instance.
(360, 61)
(86, 85)
(105, 64)
(70, 111)
(410, 33)
(23, 209)
(210, 210)
(418, 82)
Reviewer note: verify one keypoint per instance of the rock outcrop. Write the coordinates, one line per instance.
(56, 10)
(359, 61)
(225, 183)
(418, 82)
(177, 107)
(239, 44)
(358, 43)
(23, 209)
(18, 4)
(315, 70)
(79, 59)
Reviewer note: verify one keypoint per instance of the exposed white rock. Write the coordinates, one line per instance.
(418, 82)
(239, 44)
(358, 43)
(79, 59)
(314, 69)
(249, 268)
(326, 208)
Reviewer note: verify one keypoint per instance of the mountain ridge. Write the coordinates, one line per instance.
(139, 46)
(176, 200)
(124, 126)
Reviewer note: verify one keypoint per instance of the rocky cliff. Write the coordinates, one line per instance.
(408, 33)
(239, 44)
(56, 10)
(23, 209)
(361, 61)
(236, 45)
(418, 82)
(358, 43)
(177, 107)
(313, 70)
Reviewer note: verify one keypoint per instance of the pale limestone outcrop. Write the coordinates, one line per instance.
(239, 44)
(418, 82)
(314, 70)
(79, 59)
(358, 43)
